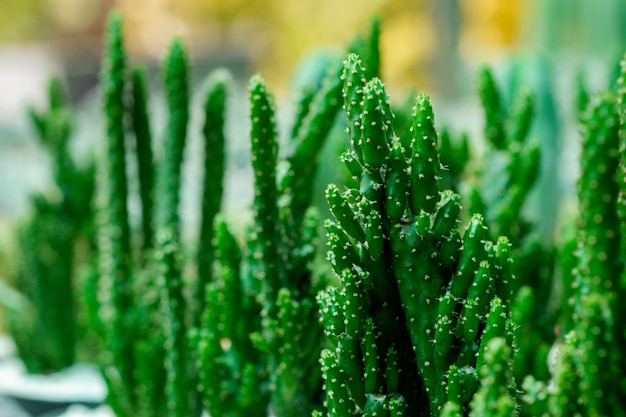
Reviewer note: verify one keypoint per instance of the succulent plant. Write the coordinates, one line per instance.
(415, 292)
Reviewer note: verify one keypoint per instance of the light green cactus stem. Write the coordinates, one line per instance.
(597, 190)
(175, 78)
(512, 164)
(565, 396)
(502, 184)
(495, 115)
(493, 397)
(582, 93)
(144, 152)
(114, 234)
(296, 184)
(409, 279)
(216, 93)
(600, 379)
(534, 397)
(621, 174)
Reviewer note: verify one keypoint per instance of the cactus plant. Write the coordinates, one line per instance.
(414, 290)
(58, 223)
(142, 290)
(273, 275)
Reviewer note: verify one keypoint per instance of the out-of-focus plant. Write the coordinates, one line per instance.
(58, 224)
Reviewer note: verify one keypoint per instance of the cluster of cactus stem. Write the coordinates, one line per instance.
(419, 299)
(500, 189)
(434, 309)
(164, 330)
(587, 375)
(271, 360)
(47, 333)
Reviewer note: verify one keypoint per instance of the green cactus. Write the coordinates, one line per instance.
(275, 279)
(501, 186)
(415, 292)
(50, 241)
(146, 321)
(214, 167)
(587, 375)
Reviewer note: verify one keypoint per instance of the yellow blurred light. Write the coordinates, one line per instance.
(73, 15)
(407, 41)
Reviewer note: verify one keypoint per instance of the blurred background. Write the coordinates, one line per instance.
(427, 45)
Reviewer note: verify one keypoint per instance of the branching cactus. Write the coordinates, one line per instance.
(59, 222)
(415, 292)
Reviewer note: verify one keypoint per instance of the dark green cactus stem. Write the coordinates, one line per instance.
(305, 98)
(353, 83)
(582, 93)
(454, 153)
(175, 78)
(114, 236)
(216, 93)
(143, 146)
